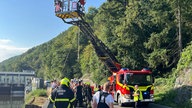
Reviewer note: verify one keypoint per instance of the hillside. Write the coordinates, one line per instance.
(141, 34)
(183, 82)
(48, 59)
(175, 89)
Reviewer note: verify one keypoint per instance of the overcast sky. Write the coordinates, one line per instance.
(28, 23)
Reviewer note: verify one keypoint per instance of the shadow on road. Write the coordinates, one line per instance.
(151, 105)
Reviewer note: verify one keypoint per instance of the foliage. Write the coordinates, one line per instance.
(165, 93)
(39, 92)
(186, 58)
(140, 33)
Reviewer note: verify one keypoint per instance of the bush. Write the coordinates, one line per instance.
(39, 92)
(186, 58)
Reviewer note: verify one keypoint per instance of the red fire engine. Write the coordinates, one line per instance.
(123, 79)
(123, 83)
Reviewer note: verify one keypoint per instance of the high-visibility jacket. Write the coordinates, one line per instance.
(63, 97)
(139, 97)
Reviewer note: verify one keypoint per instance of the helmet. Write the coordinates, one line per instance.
(87, 83)
(65, 81)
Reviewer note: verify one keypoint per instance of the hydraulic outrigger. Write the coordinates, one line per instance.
(74, 15)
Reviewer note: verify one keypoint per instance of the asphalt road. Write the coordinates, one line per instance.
(151, 105)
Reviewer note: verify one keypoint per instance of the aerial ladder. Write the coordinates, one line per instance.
(122, 80)
(72, 12)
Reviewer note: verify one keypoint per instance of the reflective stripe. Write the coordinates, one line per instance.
(51, 99)
(64, 99)
(72, 99)
(69, 105)
(140, 95)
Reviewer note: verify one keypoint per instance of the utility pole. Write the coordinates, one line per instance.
(179, 27)
(78, 48)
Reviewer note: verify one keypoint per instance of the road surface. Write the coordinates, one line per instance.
(152, 105)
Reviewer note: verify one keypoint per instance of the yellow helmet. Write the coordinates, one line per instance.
(65, 81)
(87, 83)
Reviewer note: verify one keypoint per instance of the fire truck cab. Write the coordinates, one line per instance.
(123, 83)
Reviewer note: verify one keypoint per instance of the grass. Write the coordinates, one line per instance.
(39, 95)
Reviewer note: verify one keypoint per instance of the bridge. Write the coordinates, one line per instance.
(12, 88)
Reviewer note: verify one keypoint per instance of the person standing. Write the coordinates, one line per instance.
(79, 96)
(63, 96)
(103, 99)
(87, 92)
(137, 96)
(99, 88)
(53, 85)
(57, 6)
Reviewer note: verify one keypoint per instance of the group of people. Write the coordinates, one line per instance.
(83, 93)
(70, 94)
(68, 5)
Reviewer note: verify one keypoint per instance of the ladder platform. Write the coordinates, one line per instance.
(66, 9)
(66, 15)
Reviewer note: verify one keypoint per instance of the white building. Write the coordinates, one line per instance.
(16, 77)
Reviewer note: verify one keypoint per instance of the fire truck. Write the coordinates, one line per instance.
(123, 83)
(122, 80)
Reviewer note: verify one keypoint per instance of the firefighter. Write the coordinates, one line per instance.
(79, 95)
(88, 94)
(63, 96)
(137, 96)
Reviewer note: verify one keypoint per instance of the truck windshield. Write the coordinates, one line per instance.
(139, 79)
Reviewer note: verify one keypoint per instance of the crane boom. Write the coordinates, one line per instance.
(75, 17)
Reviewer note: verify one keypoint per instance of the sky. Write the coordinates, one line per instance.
(28, 23)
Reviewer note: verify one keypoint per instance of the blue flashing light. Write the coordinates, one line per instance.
(145, 93)
(145, 69)
(125, 69)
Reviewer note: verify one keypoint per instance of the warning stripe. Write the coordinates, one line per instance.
(67, 15)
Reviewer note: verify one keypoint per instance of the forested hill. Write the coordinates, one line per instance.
(144, 33)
